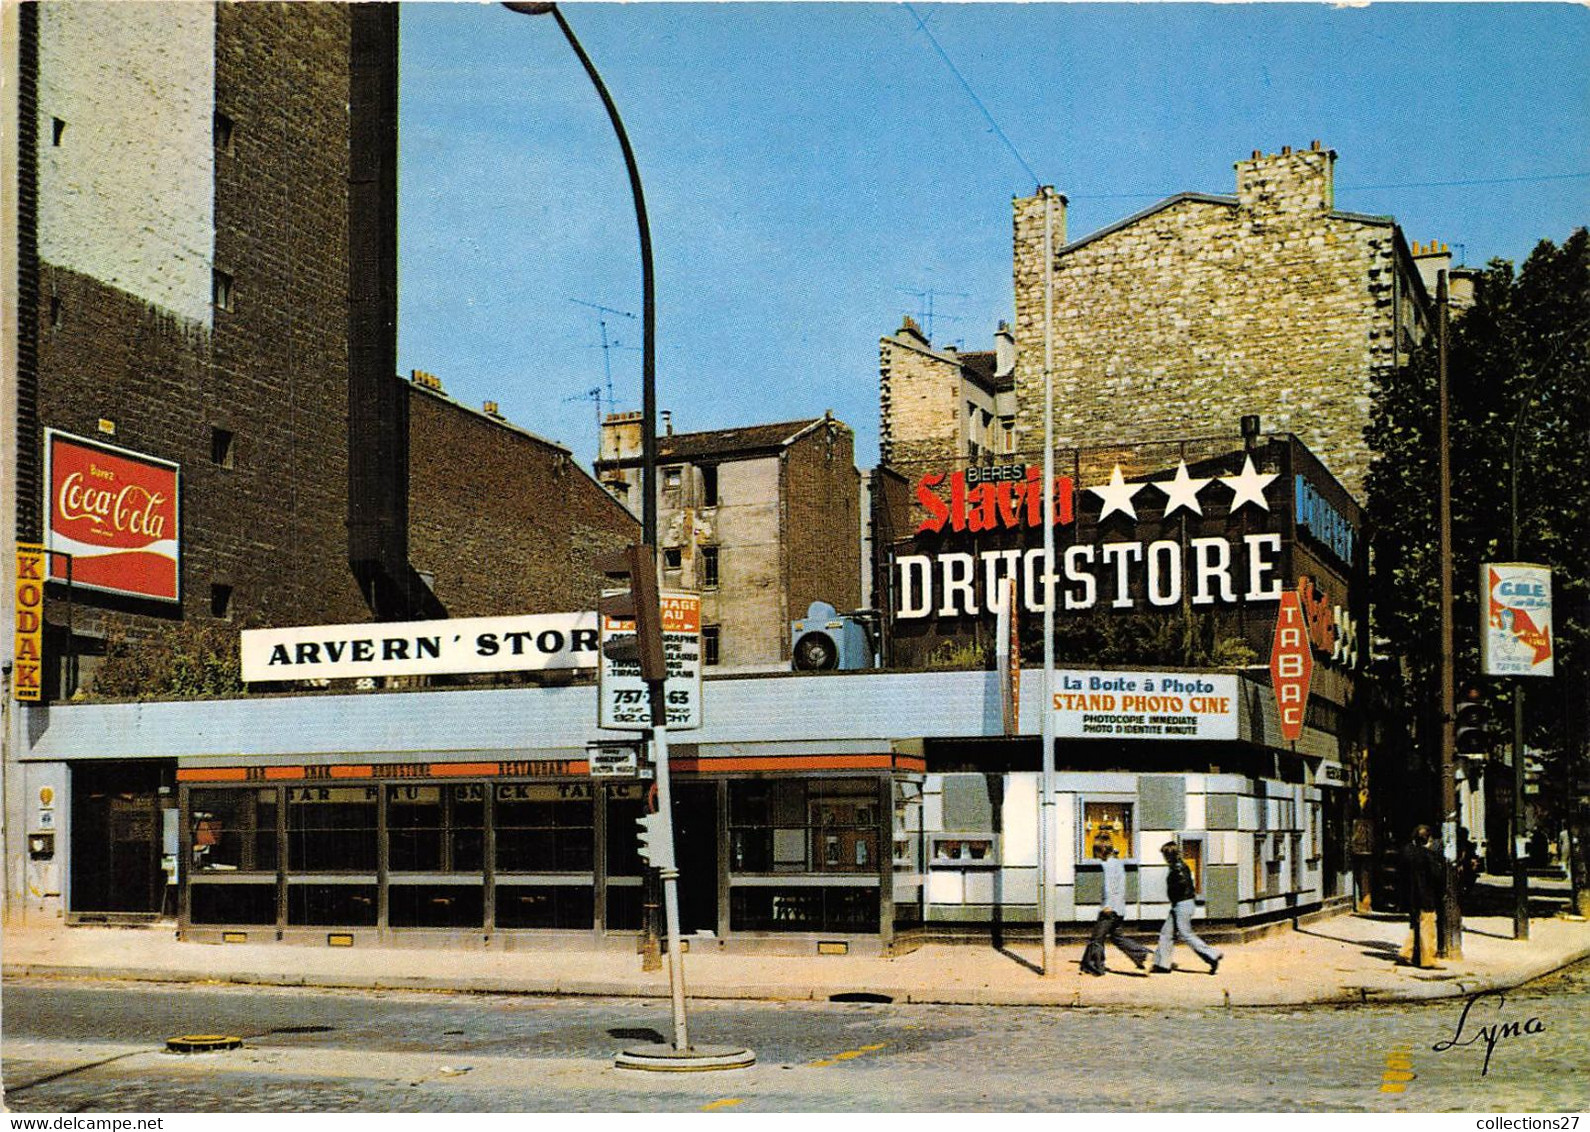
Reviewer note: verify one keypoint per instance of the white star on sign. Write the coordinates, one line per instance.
(1249, 486)
(1182, 491)
(1117, 494)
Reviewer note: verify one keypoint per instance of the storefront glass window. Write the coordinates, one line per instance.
(543, 828)
(1107, 823)
(794, 825)
(233, 830)
(332, 829)
(436, 828)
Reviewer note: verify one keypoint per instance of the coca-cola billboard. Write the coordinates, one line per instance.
(115, 512)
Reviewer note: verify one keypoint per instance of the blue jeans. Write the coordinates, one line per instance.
(1178, 925)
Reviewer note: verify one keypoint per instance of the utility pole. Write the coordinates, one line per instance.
(1450, 943)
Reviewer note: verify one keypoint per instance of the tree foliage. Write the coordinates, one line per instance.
(182, 661)
(1518, 367)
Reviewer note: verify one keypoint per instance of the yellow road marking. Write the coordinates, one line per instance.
(848, 1055)
(1399, 1070)
(726, 1102)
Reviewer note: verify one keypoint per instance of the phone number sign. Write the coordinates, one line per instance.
(624, 701)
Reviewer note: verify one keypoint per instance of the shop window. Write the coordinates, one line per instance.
(233, 831)
(1106, 823)
(907, 825)
(795, 825)
(332, 905)
(803, 909)
(331, 829)
(436, 905)
(709, 567)
(545, 906)
(544, 828)
(436, 828)
(1192, 851)
(232, 904)
(970, 850)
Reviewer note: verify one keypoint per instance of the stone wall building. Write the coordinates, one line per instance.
(941, 408)
(761, 521)
(1181, 319)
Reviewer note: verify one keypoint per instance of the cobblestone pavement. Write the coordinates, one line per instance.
(82, 1046)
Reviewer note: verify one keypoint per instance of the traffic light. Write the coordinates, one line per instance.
(1473, 724)
(637, 603)
(656, 840)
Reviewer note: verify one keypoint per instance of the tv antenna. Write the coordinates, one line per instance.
(925, 310)
(607, 345)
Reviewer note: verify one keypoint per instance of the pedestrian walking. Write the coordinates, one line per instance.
(1180, 889)
(1112, 914)
(1423, 883)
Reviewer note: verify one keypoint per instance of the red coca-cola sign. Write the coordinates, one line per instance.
(115, 512)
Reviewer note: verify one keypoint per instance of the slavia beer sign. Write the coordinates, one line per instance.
(1291, 665)
(116, 513)
(1223, 569)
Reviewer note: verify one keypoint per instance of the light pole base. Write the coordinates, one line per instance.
(696, 1059)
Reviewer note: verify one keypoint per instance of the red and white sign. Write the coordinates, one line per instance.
(1291, 665)
(624, 698)
(116, 513)
(1515, 639)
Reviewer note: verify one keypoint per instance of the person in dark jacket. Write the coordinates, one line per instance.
(1180, 890)
(1423, 884)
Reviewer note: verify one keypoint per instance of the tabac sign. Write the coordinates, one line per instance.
(1516, 637)
(1291, 665)
(116, 513)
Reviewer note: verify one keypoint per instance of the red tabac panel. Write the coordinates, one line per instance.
(1291, 665)
(116, 513)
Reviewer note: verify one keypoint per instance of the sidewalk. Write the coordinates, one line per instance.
(1342, 958)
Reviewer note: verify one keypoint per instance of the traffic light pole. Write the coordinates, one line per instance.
(670, 871)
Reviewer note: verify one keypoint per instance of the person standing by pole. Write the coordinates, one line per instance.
(1423, 874)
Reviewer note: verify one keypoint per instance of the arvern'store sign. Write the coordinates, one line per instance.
(1223, 568)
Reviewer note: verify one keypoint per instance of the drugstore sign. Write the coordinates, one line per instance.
(116, 513)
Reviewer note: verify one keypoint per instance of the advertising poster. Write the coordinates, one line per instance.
(116, 513)
(1515, 639)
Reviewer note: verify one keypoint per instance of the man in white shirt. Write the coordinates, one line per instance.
(1112, 914)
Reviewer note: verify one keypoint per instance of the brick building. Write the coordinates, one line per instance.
(1201, 309)
(762, 521)
(501, 520)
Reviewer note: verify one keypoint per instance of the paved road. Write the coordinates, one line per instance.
(82, 1046)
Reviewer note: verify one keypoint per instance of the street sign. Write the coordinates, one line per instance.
(613, 760)
(1291, 665)
(624, 701)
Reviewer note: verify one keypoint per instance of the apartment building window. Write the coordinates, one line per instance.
(57, 131)
(223, 132)
(221, 447)
(221, 601)
(671, 479)
(221, 290)
(1008, 441)
(709, 486)
(672, 558)
(709, 567)
(709, 644)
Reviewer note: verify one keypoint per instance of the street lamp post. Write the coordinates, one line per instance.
(651, 951)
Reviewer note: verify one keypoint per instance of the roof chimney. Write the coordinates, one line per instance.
(668, 422)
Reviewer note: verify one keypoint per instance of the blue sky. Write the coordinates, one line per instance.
(815, 171)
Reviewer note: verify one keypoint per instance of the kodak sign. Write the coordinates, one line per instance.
(1291, 665)
(29, 661)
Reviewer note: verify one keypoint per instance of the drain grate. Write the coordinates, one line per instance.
(861, 996)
